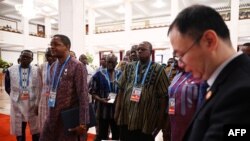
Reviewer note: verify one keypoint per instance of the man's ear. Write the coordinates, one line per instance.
(210, 39)
(68, 47)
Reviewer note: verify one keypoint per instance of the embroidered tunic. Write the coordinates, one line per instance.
(43, 108)
(23, 110)
(71, 91)
(99, 86)
(145, 114)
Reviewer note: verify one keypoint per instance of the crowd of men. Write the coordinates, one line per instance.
(202, 89)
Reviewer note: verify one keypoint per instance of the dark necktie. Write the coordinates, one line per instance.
(202, 94)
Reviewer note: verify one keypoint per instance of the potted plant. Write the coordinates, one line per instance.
(3, 65)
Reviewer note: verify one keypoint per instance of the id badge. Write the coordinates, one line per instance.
(112, 97)
(46, 94)
(15, 97)
(47, 89)
(24, 95)
(52, 99)
(136, 94)
(171, 107)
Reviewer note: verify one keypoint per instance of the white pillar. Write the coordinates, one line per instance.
(234, 22)
(175, 8)
(127, 24)
(84, 19)
(47, 29)
(71, 23)
(84, 28)
(25, 22)
(128, 15)
(91, 21)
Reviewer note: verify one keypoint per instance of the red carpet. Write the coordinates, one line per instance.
(5, 130)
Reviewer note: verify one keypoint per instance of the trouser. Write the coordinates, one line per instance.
(35, 137)
(104, 125)
(135, 135)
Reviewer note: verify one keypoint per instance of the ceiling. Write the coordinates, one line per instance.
(105, 10)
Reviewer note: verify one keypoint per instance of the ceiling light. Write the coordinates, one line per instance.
(46, 9)
(159, 4)
(120, 9)
(26, 9)
(96, 14)
(26, 12)
(53, 21)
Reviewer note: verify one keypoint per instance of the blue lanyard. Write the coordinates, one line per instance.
(170, 72)
(108, 79)
(20, 77)
(176, 89)
(47, 74)
(144, 76)
(55, 81)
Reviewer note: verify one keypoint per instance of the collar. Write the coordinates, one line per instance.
(215, 74)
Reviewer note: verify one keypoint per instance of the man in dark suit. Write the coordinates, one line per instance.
(201, 43)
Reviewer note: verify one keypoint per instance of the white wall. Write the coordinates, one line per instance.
(32, 28)
(154, 35)
(11, 38)
(18, 25)
(112, 41)
(36, 43)
(9, 23)
(12, 56)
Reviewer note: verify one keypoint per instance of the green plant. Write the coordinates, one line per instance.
(90, 58)
(3, 64)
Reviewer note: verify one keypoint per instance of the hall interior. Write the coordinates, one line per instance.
(98, 27)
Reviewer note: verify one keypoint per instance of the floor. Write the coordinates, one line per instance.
(4, 102)
(5, 109)
(5, 106)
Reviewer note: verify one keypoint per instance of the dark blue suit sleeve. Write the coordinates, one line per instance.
(7, 82)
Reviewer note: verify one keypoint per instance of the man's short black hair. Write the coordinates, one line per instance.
(48, 51)
(247, 44)
(148, 44)
(65, 39)
(27, 51)
(134, 47)
(195, 20)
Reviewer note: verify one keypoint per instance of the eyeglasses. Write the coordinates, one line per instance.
(179, 58)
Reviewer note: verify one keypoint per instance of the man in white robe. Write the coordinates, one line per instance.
(23, 86)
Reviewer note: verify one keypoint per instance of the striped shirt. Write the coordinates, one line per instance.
(143, 115)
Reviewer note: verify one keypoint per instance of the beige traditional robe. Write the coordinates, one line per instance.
(43, 108)
(16, 116)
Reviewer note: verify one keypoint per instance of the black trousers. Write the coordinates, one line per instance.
(104, 125)
(135, 135)
(35, 137)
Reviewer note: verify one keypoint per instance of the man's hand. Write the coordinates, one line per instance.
(104, 100)
(79, 130)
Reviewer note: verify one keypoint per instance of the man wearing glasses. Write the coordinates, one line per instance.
(201, 43)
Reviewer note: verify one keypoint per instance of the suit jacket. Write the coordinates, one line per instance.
(228, 104)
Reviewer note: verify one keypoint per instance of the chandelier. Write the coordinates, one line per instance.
(27, 9)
